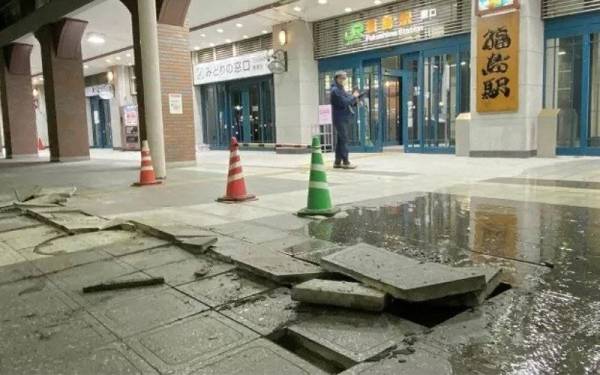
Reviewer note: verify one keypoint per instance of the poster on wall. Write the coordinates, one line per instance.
(238, 67)
(498, 63)
(175, 104)
(493, 6)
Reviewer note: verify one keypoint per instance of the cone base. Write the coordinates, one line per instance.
(139, 184)
(244, 198)
(316, 212)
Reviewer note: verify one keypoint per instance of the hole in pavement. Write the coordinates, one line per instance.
(311, 354)
(503, 287)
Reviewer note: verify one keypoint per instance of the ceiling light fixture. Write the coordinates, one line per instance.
(239, 25)
(196, 48)
(118, 58)
(347, 10)
(85, 66)
(96, 38)
(377, 2)
(245, 37)
(265, 32)
(322, 2)
(227, 40)
(220, 31)
(108, 60)
(212, 44)
(282, 38)
(128, 55)
(297, 9)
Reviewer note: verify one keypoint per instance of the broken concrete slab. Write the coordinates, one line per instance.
(73, 221)
(128, 242)
(350, 337)
(18, 271)
(225, 288)
(129, 312)
(312, 250)
(185, 345)
(279, 267)
(258, 357)
(339, 293)
(493, 276)
(424, 361)
(184, 272)
(400, 276)
(171, 232)
(156, 257)
(265, 313)
(256, 234)
(284, 222)
(59, 262)
(17, 222)
(24, 193)
(196, 245)
(9, 256)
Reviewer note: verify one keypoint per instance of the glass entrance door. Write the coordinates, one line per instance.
(392, 128)
(101, 127)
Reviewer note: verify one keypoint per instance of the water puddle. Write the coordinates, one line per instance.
(550, 254)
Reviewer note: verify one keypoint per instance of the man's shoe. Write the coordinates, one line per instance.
(337, 166)
(349, 166)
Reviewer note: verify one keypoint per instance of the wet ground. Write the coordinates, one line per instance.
(550, 255)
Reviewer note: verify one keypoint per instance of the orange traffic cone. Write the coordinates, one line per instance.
(236, 185)
(147, 176)
(40, 144)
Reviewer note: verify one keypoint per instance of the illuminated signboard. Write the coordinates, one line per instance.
(388, 26)
(491, 6)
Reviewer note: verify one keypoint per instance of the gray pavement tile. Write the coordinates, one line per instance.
(402, 277)
(184, 272)
(32, 346)
(156, 257)
(339, 293)
(18, 271)
(85, 241)
(131, 242)
(249, 232)
(287, 222)
(181, 346)
(17, 222)
(312, 250)
(171, 231)
(60, 262)
(424, 361)
(225, 288)
(30, 237)
(493, 277)
(127, 312)
(349, 337)
(33, 298)
(265, 313)
(257, 357)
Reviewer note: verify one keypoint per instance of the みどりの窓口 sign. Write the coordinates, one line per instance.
(498, 63)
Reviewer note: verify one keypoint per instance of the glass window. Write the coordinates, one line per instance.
(465, 82)
(563, 86)
(594, 123)
(370, 104)
(440, 100)
(412, 102)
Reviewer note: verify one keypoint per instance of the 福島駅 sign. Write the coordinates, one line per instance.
(498, 63)
(238, 67)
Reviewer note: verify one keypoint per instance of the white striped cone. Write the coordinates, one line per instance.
(236, 184)
(147, 176)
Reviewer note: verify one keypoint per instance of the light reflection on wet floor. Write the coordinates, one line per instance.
(550, 254)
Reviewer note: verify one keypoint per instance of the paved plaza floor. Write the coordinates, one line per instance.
(537, 219)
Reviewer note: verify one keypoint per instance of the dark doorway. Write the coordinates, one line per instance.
(101, 127)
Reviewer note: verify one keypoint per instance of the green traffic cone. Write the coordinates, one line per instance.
(319, 196)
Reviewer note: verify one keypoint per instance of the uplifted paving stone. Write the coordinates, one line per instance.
(156, 257)
(72, 221)
(186, 271)
(424, 361)
(18, 271)
(196, 245)
(312, 250)
(128, 312)
(60, 262)
(258, 357)
(265, 313)
(171, 232)
(130, 242)
(349, 337)
(187, 344)
(402, 277)
(279, 267)
(225, 288)
(17, 222)
(84, 241)
(249, 232)
(493, 277)
(339, 293)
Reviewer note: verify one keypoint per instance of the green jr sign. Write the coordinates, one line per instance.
(355, 33)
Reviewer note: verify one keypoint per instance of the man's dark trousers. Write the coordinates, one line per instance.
(341, 147)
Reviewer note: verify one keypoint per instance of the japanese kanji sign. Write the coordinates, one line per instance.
(498, 63)
(239, 67)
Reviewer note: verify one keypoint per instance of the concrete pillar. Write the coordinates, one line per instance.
(64, 89)
(16, 92)
(512, 134)
(296, 91)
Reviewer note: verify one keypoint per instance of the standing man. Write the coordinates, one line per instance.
(343, 118)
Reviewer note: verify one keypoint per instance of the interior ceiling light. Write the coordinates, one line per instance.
(322, 2)
(297, 9)
(96, 38)
(118, 58)
(212, 44)
(227, 40)
(108, 60)
(239, 25)
(265, 32)
(245, 37)
(85, 67)
(203, 35)
(347, 10)
(196, 48)
(128, 55)
(377, 2)
(220, 31)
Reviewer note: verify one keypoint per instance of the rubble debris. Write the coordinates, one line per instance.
(202, 271)
(196, 245)
(471, 299)
(339, 293)
(27, 192)
(174, 232)
(125, 284)
(402, 277)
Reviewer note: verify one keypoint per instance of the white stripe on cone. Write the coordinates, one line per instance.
(235, 177)
(235, 165)
(147, 168)
(318, 185)
(317, 167)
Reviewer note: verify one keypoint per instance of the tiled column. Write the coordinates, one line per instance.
(297, 90)
(512, 134)
(16, 93)
(64, 89)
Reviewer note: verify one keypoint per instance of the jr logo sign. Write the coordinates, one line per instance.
(355, 33)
